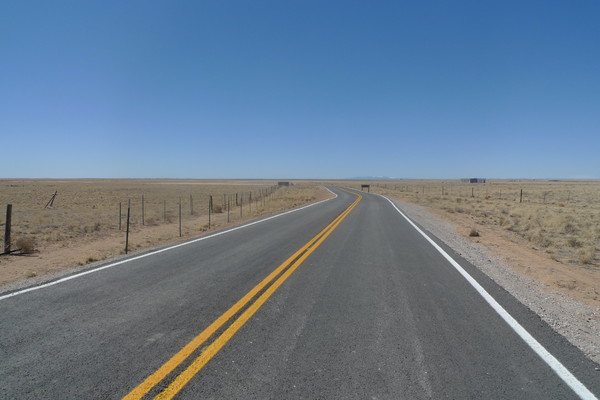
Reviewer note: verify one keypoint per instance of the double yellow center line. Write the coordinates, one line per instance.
(279, 275)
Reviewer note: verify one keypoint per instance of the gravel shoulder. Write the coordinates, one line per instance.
(577, 321)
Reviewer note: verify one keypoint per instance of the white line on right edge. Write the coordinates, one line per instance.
(68, 278)
(544, 354)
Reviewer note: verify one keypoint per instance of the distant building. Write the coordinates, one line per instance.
(473, 180)
(283, 183)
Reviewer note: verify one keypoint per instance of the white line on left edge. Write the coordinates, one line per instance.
(570, 379)
(68, 278)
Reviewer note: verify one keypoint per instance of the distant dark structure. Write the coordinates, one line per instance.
(283, 183)
(473, 180)
(368, 187)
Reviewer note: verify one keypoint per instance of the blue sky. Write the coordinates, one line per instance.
(300, 89)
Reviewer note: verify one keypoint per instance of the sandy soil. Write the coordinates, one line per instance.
(580, 282)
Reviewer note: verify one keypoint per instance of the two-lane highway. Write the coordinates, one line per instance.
(343, 299)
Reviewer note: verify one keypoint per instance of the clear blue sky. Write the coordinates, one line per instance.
(300, 89)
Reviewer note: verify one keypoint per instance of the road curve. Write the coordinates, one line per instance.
(368, 309)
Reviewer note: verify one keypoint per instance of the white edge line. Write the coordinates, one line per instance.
(68, 278)
(578, 387)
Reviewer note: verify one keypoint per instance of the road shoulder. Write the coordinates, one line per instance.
(577, 321)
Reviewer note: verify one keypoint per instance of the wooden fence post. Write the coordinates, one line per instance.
(7, 228)
(210, 206)
(164, 211)
(191, 205)
(228, 203)
(120, 216)
(180, 217)
(127, 226)
(521, 197)
(50, 202)
(143, 223)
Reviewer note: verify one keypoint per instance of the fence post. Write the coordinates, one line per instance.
(210, 206)
(180, 217)
(191, 205)
(521, 197)
(120, 216)
(143, 223)
(164, 211)
(228, 202)
(127, 226)
(241, 206)
(7, 228)
(250, 203)
(50, 202)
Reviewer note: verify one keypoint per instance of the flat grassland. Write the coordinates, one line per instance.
(551, 232)
(82, 225)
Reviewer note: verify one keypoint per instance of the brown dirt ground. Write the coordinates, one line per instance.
(579, 282)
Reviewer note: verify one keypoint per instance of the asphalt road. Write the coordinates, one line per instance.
(368, 309)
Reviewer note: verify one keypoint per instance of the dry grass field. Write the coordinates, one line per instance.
(82, 225)
(551, 234)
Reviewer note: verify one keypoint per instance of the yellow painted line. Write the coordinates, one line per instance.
(143, 388)
(182, 379)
